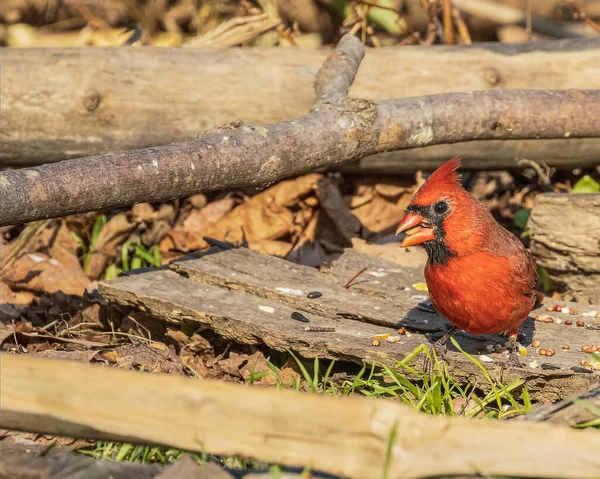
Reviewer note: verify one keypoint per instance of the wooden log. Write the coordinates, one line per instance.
(566, 241)
(490, 154)
(248, 297)
(70, 102)
(68, 398)
(338, 130)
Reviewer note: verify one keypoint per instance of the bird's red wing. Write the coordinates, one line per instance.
(502, 242)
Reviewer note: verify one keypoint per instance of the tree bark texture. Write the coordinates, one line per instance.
(566, 241)
(62, 103)
(338, 129)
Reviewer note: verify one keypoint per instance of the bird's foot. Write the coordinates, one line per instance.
(513, 359)
(439, 349)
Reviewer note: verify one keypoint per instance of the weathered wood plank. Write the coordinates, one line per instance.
(566, 241)
(348, 436)
(230, 291)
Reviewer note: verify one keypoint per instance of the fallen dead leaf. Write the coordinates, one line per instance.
(8, 296)
(265, 216)
(141, 355)
(111, 237)
(38, 272)
(187, 236)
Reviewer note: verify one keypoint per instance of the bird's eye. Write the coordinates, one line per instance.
(441, 207)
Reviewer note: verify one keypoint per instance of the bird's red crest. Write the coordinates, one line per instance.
(445, 178)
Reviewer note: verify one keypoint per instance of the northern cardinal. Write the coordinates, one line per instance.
(479, 275)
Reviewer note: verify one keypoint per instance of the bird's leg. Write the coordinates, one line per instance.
(440, 348)
(513, 345)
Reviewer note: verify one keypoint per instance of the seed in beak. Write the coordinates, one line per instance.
(412, 231)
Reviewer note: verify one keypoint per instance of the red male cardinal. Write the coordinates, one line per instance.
(479, 275)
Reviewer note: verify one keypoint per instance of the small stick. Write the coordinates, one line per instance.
(528, 21)
(461, 26)
(448, 28)
(580, 13)
(320, 329)
(349, 283)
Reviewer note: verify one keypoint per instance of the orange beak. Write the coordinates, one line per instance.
(417, 230)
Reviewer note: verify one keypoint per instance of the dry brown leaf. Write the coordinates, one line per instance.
(187, 236)
(257, 364)
(142, 212)
(8, 296)
(380, 206)
(142, 356)
(110, 356)
(38, 272)
(162, 222)
(111, 237)
(264, 216)
(271, 247)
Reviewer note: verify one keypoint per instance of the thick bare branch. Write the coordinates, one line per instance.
(334, 133)
(337, 74)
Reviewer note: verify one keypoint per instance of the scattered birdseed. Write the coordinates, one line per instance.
(543, 352)
(402, 332)
(420, 286)
(565, 310)
(381, 336)
(558, 321)
(573, 311)
(548, 319)
(319, 329)
(590, 314)
(535, 344)
(566, 347)
(550, 352)
(294, 292)
(550, 308)
(267, 309)
(568, 322)
(523, 351)
(485, 359)
(375, 342)
(299, 317)
(489, 347)
(419, 297)
(408, 334)
(534, 364)
(596, 367)
(377, 274)
(392, 339)
(580, 323)
(314, 295)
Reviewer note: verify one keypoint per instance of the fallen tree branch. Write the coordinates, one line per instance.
(345, 436)
(338, 130)
(51, 111)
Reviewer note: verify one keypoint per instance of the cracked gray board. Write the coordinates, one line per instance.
(233, 292)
